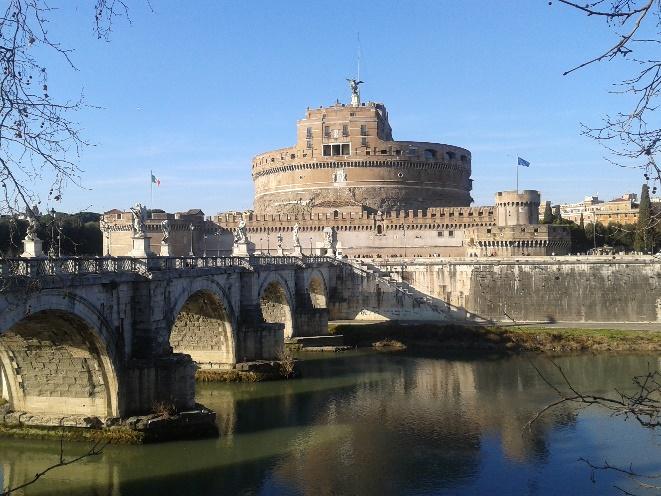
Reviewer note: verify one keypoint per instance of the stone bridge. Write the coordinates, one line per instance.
(112, 337)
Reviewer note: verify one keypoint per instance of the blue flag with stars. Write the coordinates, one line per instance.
(523, 163)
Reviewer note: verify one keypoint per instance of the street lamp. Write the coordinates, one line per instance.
(261, 246)
(268, 244)
(192, 228)
(51, 248)
(310, 246)
(204, 246)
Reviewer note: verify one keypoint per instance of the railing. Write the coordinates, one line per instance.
(38, 267)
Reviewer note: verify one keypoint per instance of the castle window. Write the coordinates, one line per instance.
(363, 141)
(352, 114)
(327, 131)
(337, 149)
(450, 234)
(384, 152)
(398, 152)
(464, 158)
(439, 234)
(336, 214)
(367, 152)
(363, 129)
(488, 231)
(308, 144)
(309, 133)
(345, 129)
(451, 155)
(412, 151)
(430, 154)
(292, 156)
(379, 229)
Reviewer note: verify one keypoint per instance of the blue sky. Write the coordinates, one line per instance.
(194, 89)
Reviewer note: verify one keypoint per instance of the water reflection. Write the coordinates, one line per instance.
(372, 423)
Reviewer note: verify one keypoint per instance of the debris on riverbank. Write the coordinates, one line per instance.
(519, 338)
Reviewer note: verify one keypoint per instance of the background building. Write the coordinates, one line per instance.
(352, 190)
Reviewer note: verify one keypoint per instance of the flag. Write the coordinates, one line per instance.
(157, 181)
(523, 163)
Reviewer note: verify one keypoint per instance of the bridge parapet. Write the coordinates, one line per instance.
(37, 267)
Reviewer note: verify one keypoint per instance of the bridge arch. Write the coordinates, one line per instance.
(276, 303)
(318, 290)
(204, 326)
(57, 357)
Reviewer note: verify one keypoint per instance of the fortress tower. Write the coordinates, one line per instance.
(345, 160)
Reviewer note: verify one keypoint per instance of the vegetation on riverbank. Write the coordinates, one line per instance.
(115, 435)
(496, 338)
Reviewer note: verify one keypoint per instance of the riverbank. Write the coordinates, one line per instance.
(513, 338)
(157, 427)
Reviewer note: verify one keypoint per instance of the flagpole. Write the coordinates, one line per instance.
(151, 189)
(517, 176)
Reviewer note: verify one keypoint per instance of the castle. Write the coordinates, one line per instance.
(347, 188)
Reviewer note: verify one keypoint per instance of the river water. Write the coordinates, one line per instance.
(377, 423)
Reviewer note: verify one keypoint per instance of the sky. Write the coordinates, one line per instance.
(193, 90)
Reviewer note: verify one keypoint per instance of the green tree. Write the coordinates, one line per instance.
(557, 215)
(644, 228)
(548, 214)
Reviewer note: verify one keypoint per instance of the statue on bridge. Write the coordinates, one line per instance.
(294, 235)
(31, 234)
(165, 227)
(139, 219)
(240, 233)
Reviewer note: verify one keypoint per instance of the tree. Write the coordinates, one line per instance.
(557, 215)
(631, 137)
(644, 227)
(582, 222)
(548, 214)
(38, 138)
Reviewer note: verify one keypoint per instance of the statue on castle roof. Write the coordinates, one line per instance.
(355, 91)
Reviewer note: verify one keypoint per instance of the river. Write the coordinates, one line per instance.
(377, 423)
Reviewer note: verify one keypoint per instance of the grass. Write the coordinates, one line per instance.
(232, 376)
(497, 338)
(115, 435)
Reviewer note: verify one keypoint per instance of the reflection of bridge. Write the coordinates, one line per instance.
(114, 336)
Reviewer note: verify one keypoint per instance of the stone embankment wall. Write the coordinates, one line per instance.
(569, 289)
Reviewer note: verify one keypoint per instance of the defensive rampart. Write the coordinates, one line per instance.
(567, 289)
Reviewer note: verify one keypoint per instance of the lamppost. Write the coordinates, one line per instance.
(310, 246)
(51, 248)
(192, 228)
(204, 246)
(261, 246)
(268, 244)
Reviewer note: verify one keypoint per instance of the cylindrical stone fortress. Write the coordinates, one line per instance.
(514, 208)
(345, 158)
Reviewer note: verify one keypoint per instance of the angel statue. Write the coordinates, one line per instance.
(165, 227)
(294, 234)
(279, 239)
(240, 235)
(32, 227)
(139, 218)
(355, 91)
